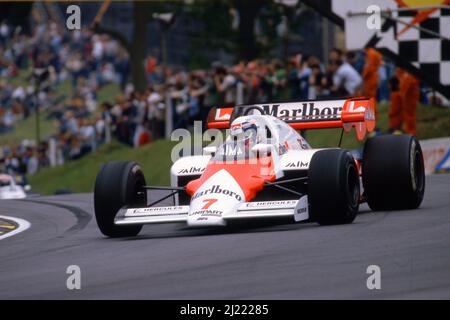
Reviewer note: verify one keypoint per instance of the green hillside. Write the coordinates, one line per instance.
(79, 176)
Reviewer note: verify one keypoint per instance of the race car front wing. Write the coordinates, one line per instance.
(297, 209)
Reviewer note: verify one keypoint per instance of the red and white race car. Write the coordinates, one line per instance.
(266, 169)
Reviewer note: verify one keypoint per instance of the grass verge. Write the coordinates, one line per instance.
(79, 176)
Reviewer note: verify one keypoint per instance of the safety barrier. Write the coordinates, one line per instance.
(436, 154)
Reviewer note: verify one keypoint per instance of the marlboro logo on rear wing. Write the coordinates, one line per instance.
(345, 113)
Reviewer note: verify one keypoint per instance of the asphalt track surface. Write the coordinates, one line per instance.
(290, 261)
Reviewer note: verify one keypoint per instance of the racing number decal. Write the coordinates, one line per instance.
(209, 203)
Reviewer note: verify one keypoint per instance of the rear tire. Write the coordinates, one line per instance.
(118, 184)
(393, 172)
(333, 187)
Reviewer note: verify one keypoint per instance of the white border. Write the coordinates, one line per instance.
(23, 225)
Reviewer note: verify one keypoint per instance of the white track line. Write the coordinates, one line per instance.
(23, 225)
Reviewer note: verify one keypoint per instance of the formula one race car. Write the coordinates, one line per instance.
(266, 169)
(9, 189)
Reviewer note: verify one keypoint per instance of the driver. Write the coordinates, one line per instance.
(245, 134)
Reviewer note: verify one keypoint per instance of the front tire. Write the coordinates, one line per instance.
(393, 172)
(333, 187)
(118, 184)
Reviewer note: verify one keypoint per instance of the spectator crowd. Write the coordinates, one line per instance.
(85, 62)
(80, 61)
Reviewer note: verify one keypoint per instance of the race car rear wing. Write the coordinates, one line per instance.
(345, 113)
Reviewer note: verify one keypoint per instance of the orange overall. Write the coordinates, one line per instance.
(370, 74)
(395, 111)
(410, 92)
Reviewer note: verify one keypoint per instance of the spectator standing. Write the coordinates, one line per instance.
(293, 78)
(405, 95)
(279, 79)
(346, 80)
(410, 90)
(371, 75)
(316, 80)
(226, 85)
(395, 108)
(156, 113)
(87, 136)
(304, 74)
(31, 161)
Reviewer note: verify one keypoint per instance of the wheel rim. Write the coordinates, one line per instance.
(139, 194)
(418, 172)
(352, 187)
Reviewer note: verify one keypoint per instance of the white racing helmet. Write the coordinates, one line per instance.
(246, 131)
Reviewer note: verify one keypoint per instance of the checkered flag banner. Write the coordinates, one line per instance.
(413, 33)
(426, 51)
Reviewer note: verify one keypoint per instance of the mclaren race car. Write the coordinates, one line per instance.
(266, 169)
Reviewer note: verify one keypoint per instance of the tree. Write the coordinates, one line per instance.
(248, 12)
(136, 48)
(143, 13)
(17, 14)
(229, 25)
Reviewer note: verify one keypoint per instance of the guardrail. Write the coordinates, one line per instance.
(436, 154)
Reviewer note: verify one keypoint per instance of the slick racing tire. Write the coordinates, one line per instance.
(118, 184)
(333, 187)
(393, 172)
